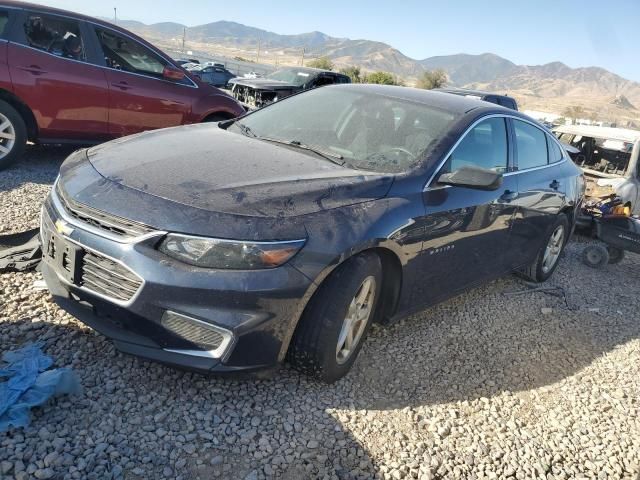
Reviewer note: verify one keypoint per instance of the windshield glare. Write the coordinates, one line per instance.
(292, 76)
(369, 131)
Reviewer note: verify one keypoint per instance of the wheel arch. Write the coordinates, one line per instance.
(391, 288)
(24, 111)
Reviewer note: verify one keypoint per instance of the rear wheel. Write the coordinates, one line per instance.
(548, 256)
(616, 255)
(216, 117)
(337, 319)
(595, 255)
(13, 135)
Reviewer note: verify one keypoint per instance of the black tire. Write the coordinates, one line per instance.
(314, 346)
(536, 271)
(19, 130)
(595, 255)
(616, 255)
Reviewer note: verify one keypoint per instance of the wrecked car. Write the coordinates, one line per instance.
(257, 92)
(609, 158)
(283, 235)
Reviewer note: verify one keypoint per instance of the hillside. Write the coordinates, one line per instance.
(552, 86)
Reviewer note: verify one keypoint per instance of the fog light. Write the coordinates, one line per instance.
(208, 340)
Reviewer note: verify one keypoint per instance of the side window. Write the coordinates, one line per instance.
(531, 144)
(56, 35)
(123, 53)
(4, 23)
(555, 153)
(485, 146)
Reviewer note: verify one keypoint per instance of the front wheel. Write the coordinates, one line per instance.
(13, 135)
(337, 319)
(548, 256)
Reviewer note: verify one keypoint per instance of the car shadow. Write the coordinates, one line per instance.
(481, 344)
(38, 165)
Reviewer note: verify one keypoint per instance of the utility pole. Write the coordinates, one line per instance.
(184, 36)
(302, 59)
(258, 54)
(115, 15)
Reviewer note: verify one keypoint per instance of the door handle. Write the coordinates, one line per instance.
(122, 85)
(555, 185)
(33, 69)
(509, 195)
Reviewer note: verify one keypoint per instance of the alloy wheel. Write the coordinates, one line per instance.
(7, 136)
(355, 322)
(553, 250)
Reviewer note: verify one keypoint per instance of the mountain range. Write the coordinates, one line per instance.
(552, 87)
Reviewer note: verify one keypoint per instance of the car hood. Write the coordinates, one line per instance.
(263, 83)
(206, 167)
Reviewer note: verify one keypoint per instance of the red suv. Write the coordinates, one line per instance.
(68, 78)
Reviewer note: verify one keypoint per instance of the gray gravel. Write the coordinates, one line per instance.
(482, 386)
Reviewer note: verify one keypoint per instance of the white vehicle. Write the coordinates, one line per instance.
(609, 158)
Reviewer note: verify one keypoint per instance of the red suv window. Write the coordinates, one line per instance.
(4, 22)
(56, 35)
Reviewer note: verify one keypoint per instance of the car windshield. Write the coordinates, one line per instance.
(364, 130)
(291, 75)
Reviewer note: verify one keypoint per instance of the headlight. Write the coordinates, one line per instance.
(229, 254)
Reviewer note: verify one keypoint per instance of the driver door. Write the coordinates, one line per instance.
(140, 98)
(467, 231)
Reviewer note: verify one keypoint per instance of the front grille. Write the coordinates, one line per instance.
(101, 220)
(196, 332)
(107, 277)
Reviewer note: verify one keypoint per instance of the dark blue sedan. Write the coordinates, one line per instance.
(283, 235)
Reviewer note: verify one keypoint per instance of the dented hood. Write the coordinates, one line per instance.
(206, 167)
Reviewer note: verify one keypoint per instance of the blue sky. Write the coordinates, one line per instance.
(578, 33)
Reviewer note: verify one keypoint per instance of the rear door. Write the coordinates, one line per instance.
(5, 26)
(50, 67)
(140, 98)
(542, 188)
(467, 231)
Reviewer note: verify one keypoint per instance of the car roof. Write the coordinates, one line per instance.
(311, 70)
(68, 13)
(624, 134)
(435, 98)
(468, 91)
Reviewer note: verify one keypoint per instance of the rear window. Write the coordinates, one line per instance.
(4, 21)
(555, 154)
(56, 35)
(531, 145)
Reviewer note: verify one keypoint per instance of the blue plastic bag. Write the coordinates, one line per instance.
(30, 384)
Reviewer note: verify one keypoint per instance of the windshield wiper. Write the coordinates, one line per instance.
(332, 157)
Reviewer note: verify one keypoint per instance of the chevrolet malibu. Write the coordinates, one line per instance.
(283, 235)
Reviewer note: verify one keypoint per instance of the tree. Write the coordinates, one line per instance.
(324, 63)
(353, 73)
(381, 78)
(574, 112)
(433, 79)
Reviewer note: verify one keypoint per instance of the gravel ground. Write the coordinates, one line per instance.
(482, 386)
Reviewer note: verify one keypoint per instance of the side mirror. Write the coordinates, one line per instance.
(473, 177)
(172, 73)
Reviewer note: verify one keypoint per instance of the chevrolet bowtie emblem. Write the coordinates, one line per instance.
(63, 228)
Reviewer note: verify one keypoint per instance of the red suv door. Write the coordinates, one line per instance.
(140, 98)
(51, 73)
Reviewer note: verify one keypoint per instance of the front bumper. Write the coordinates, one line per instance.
(259, 309)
